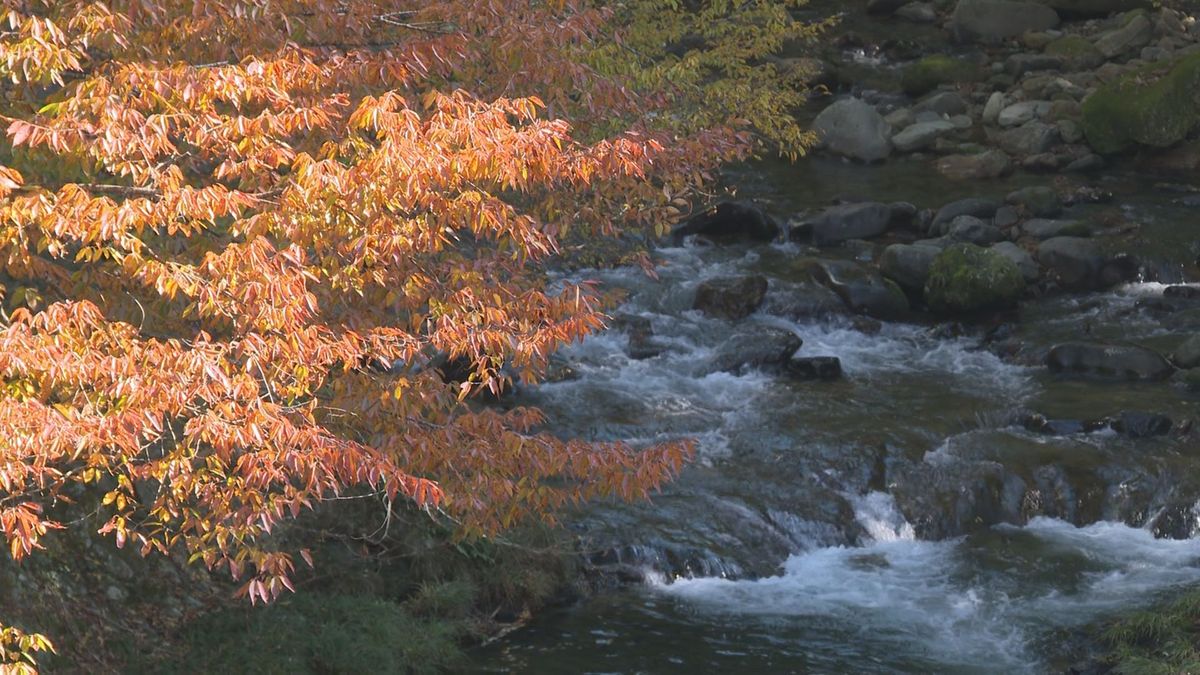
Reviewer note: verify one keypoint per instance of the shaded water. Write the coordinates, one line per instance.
(898, 520)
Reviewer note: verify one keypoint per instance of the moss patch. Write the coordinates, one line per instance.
(966, 277)
(1076, 51)
(1141, 108)
(927, 74)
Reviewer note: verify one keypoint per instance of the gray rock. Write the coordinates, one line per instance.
(1135, 34)
(961, 121)
(803, 301)
(942, 103)
(900, 118)
(978, 166)
(1043, 228)
(1038, 201)
(972, 230)
(729, 221)
(731, 298)
(927, 116)
(1088, 162)
(921, 135)
(1024, 262)
(814, 368)
(1019, 64)
(994, 20)
(1006, 216)
(1031, 138)
(863, 290)
(918, 12)
(1020, 113)
(1127, 362)
(852, 128)
(1069, 131)
(850, 221)
(995, 104)
(1081, 264)
(763, 347)
(1187, 355)
(908, 264)
(972, 206)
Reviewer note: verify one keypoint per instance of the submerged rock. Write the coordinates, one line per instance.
(850, 221)
(981, 166)
(863, 290)
(1128, 362)
(814, 368)
(762, 347)
(966, 277)
(731, 298)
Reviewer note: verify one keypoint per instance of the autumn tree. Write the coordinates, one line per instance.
(236, 235)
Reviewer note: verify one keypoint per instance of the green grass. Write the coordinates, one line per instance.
(1161, 641)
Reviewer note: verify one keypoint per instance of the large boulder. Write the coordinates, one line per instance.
(1147, 106)
(995, 20)
(1127, 362)
(763, 347)
(729, 221)
(853, 128)
(863, 290)
(966, 277)
(850, 221)
(984, 165)
(731, 298)
(1082, 264)
(908, 264)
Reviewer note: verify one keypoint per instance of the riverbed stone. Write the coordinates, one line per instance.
(731, 221)
(1021, 258)
(803, 301)
(972, 230)
(1137, 424)
(977, 166)
(813, 368)
(1128, 362)
(853, 128)
(1144, 108)
(1081, 264)
(918, 12)
(1020, 64)
(863, 290)
(850, 221)
(762, 347)
(908, 264)
(994, 20)
(929, 72)
(1076, 52)
(1020, 113)
(979, 207)
(1187, 355)
(1031, 138)
(1044, 228)
(921, 135)
(966, 277)
(1038, 201)
(995, 104)
(1135, 33)
(732, 297)
(943, 103)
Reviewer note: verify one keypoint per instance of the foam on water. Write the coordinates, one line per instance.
(930, 600)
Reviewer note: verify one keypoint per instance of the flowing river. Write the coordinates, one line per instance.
(904, 518)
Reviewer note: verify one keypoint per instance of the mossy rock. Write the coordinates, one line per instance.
(927, 74)
(1140, 108)
(966, 277)
(1076, 51)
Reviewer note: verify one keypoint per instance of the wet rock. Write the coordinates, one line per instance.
(850, 221)
(932, 71)
(921, 135)
(1020, 64)
(814, 368)
(1039, 202)
(1006, 217)
(994, 20)
(729, 221)
(803, 301)
(1080, 264)
(863, 290)
(1187, 355)
(951, 499)
(972, 206)
(1127, 362)
(1020, 113)
(1181, 291)
(1143, 109)
(641, 344)
(1142, 424)
(1076, 52)
(1040, 424)
(1042, 228)
(1134, 34)
(852, 128)
(981, 166)
(900, 118)
(966, 277)
(1021, 258)
(1187, 380)
(908, 265)
(731, 298)
(996, 103)
(972, 230)
(764, 347)
(918, 12)
(1031, 138)
(947, 103)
